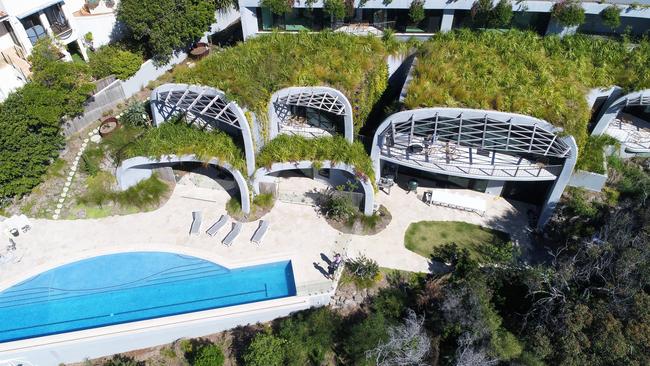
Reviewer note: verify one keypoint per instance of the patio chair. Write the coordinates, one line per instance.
(196, 223)
(214, 229)
(233, 234)
(260, 232)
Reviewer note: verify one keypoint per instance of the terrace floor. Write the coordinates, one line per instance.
(297, 233)
(631, 132)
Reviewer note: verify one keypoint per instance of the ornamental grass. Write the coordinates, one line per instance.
(544, 77)
(252, 71)
(179, 138)
(294, 148)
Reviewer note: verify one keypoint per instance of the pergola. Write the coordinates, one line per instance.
(471, 143)
(634, 137)
(477, 144)
(206, 107)
(319, 98)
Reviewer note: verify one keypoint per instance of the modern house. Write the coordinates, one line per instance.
(503, 154)
(22, 24)
(440, 16)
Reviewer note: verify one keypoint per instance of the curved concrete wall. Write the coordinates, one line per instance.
(244, 128)
(347, 117)
(134, 170)
(615, 108)
(368, 190)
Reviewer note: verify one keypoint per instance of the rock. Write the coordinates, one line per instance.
(55, 217)
(95, 139)
(91, 133)
(57, 211)
(81, 214)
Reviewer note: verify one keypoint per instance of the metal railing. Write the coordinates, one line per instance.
(61, 30)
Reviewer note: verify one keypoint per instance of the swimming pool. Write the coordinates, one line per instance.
(126, 287)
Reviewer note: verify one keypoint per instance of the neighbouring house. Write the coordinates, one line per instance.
(439, 16)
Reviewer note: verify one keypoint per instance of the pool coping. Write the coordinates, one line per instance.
(135, 333)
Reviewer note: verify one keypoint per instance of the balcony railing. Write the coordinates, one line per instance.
(61, 30)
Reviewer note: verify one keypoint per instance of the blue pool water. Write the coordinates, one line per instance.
(126, 287)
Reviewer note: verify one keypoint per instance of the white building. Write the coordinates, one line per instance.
(22, 24)
(440, 16)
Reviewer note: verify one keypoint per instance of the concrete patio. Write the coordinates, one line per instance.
(297, 233)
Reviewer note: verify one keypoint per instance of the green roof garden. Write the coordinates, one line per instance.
(544, 77)
(251, 72)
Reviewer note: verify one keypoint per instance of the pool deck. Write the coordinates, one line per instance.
(296, 233)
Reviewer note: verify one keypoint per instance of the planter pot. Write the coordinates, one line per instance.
(200, 50)
(108, 125)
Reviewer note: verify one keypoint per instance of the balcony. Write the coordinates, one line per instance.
(61, 30)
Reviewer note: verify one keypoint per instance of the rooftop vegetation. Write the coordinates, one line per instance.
(179, 138)
(290, 148)
(545, 77)
(252, 71)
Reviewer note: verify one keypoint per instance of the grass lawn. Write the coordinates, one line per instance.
(421, 237)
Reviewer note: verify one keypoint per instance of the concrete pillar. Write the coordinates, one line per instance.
(82, 50)
(494, 187)
(248, 22)
(45, 23)
(21, 35)
(560, 183)
(447, 20)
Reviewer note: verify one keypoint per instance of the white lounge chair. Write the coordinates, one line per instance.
(214, 229)
(196, 223)
(260, 232)
(236, 229)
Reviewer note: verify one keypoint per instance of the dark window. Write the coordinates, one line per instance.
(298, 19)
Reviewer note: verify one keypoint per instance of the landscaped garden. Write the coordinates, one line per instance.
(544, 77)
(251, 72)
(430, 237)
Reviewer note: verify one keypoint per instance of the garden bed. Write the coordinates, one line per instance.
(363, 225)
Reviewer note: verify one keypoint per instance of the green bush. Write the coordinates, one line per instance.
(252, 71)
(611, 16)
(135, 114)
(416, 11)
(176, 137)
(91, 160)
(334, 8)
(591, 158)
(289, 148)
(264, 200)
(279, 7)
(364, 336)
(208, 355)
(113, 60)
(390, 303)
(487, 15)
(364, 271)
(121, 360)
(233, 207)
(144, 194)
(568, 12)
(340, 208)
(578, 204)
(310, 336)
(265, 350)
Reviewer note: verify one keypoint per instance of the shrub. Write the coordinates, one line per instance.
(334, 8)
(416, 11)
(486, 15)
(592, 156)
(363, 337)
(112, 60)
(208, 355)
(339, 207)
(121, 360)
(389, 302)
(568, 12)
(310, 336)
(176, 137)
(233, 207)
(363, 270)
(100, 191)
(611, 16)
(135, 114)
(265, 350)
(91, 160)
(264, 200)
(279, 7)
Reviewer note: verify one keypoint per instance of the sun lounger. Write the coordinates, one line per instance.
(260, 232)
(236, 229)
(196, 223)
(214, 229)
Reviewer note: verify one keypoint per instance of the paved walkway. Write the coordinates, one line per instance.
(296, 233)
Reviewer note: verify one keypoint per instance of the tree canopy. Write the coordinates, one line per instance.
(30, 119)
(165, 26)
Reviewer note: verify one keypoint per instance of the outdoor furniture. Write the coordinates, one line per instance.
(196, 223)
(233, 234)
(413, 185)
(260, 232)
(428, 197)
(214, 229)
(458, 201)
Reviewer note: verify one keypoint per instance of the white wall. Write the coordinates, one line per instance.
(21, 8)
(101, 26)
(5, 37)
(10, 80)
